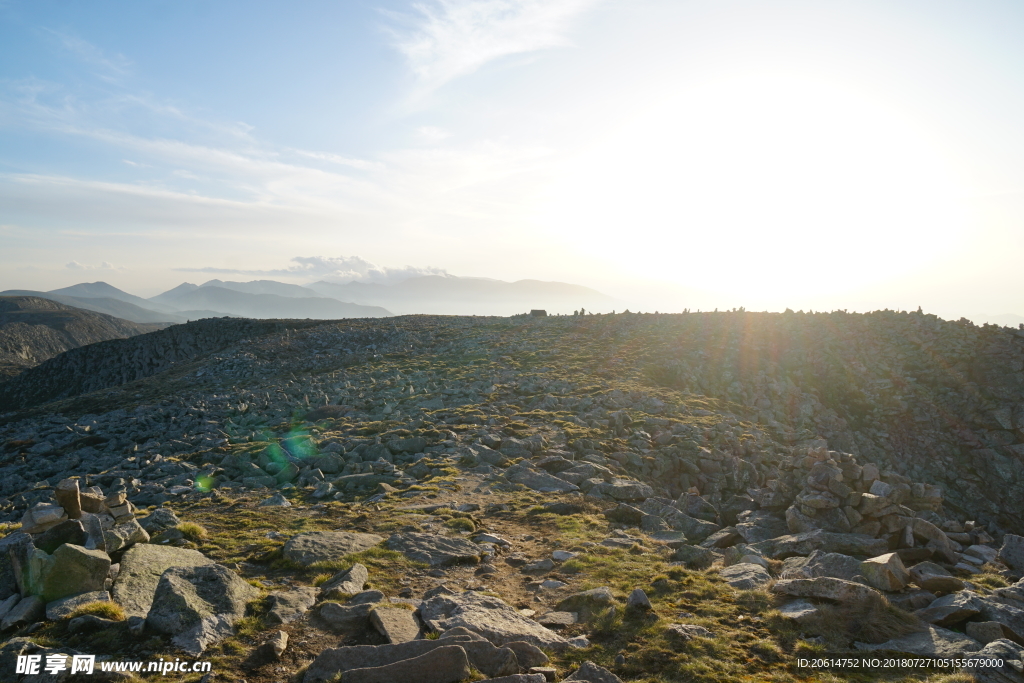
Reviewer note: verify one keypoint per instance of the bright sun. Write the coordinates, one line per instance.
(767, 184)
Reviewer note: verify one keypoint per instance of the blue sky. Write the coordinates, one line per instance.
(676, 154)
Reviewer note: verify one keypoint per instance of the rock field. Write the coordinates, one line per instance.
(631, 497)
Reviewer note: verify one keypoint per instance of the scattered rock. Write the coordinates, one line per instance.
(327, 546)
(491, 617)
(932, 642)
(275, 646)
(435, 550)
(58, 609)
(745, 576)
(286, 606)
(141, 569)
(395, 624)
(932, 577)
(592, 673)
(688, 631)
(348, 582)
(885, 572)
(826, 588)
(71, 570)
(587, 604)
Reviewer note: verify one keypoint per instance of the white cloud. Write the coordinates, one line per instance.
(75, 265)
(340, 269)
(110, 67)
(451, 38)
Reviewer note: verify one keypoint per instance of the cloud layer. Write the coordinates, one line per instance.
(339, 269)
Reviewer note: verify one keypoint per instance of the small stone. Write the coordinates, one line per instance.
(688, 631)
(638, 600)
(395, 624)
(67, 495)
(276, 500)
(136, 625)
(885, 572)
(275, 646)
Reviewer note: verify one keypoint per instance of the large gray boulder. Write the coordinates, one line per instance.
(932, 642)
(15, 550)
(199, 605)
(806, 543)
(951, 609)
(592, 673)
(826, 588)
(140, 571)
(885, 572)
(284, 607)
(745, 576)
(396, 624)
(327, 546)
(819, 563)
(1012, 552)
(71, 570)
(445, 664)
(587, 603)
(347, 582)
(330, 663)
(491, 617)
(933, 577)
(984, 665)
(434, 549)
(538, 480)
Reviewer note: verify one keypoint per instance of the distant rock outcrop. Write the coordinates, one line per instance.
(33, 330)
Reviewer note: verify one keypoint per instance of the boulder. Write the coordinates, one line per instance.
(745, 576)
(491, 617)
(826, 588)
(1012, 552)
(798, 610)
(275, 646)
(527, 654)
(984, 631)
(124, 536)
(187, 595)
(587, 604)
(67, 496)
(286, 606)
(984, 665)
(685, 632)
(592, 673)
(326, 546)
(69, 531)
(538, 480)
(70, 570)
(885, 572)
(951, 609)
(348, 582)
(159, 520)
(445, 664)
(932, 577)
(434, 549)
(15, 551)
(396, 624)
(804, 544)
(346, 617)
(932, 642)
(141, 568)
(26, 611)
(819, 563)
(58, 609)
(638, 600)
(694, 557)
(332, 662)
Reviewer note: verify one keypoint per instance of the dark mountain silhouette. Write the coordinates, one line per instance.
(116, 307)
(34, 329)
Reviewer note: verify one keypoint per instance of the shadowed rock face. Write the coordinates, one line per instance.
(33, 330)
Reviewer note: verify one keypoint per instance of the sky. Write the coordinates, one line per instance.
(673, 154)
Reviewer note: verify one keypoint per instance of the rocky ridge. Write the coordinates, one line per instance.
(585, 419)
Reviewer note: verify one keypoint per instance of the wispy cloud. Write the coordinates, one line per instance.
(75, 265)
(446, 39)
(340, 269)
(108, 67)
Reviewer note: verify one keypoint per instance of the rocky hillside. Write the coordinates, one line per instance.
(656, 498)
(33, 330)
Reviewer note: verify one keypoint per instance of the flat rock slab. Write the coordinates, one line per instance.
(592, 673)
(434, 549)
(327, 546)
(396, 624)
(58, 609)
(141, 568)
(934, 642)
(806, 543)
(187, 596)
(745, 576)
(287, 606)
(491, 617)
(446, 664)
(339, 660)
(826, 588)
(537, 480)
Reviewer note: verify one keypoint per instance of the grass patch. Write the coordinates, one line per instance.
(321, 579)
(101, 608)
(193, 531)
(461, 524)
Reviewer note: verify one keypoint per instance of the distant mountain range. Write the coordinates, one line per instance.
(443, 295)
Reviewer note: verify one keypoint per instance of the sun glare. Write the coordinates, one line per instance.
(758, 181)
